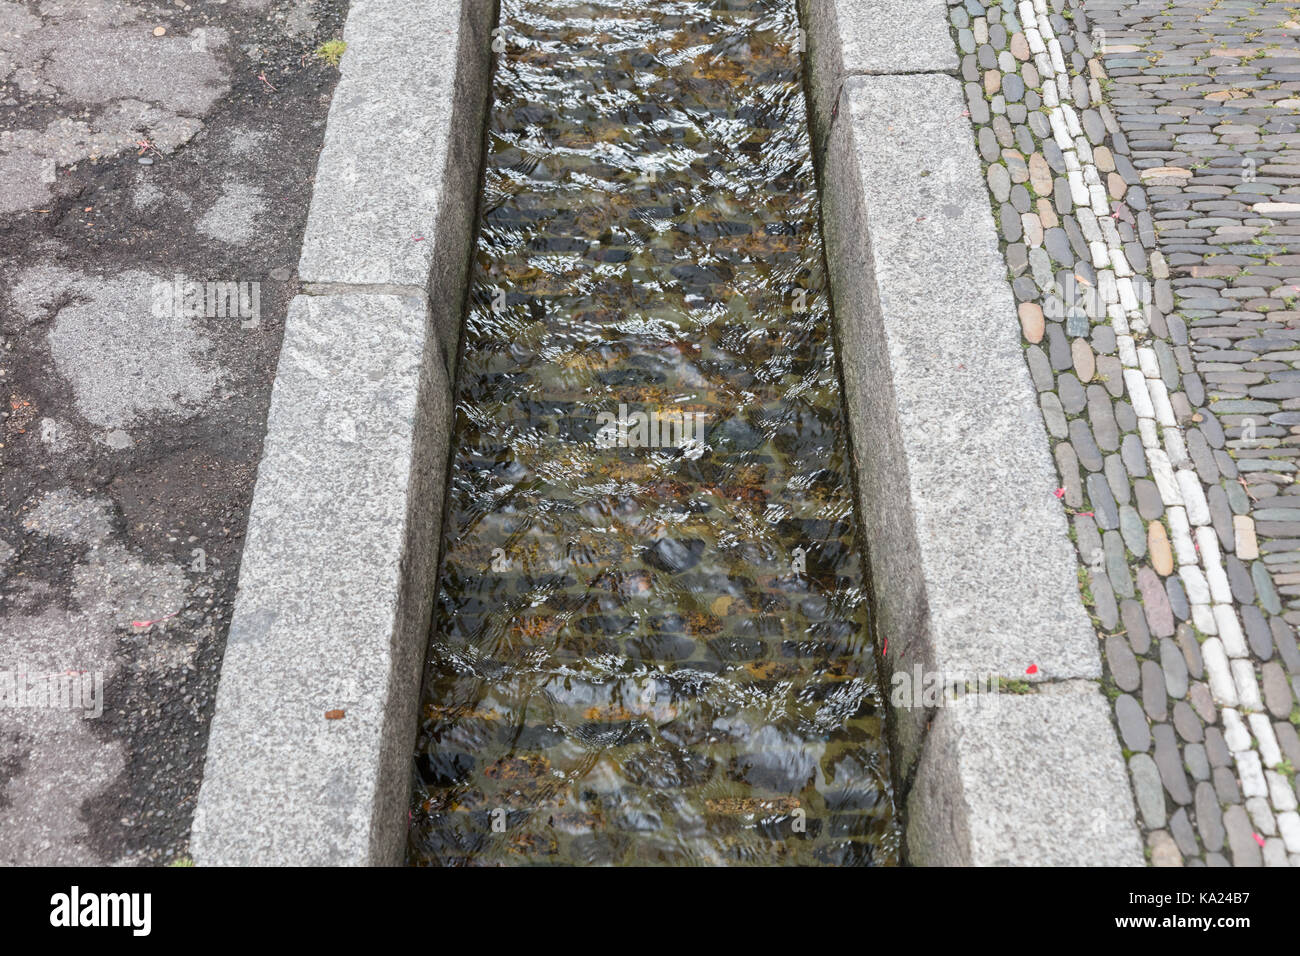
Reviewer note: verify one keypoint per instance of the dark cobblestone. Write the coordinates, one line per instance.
(1175, 669)
(1241, 838)
(1226, 786)
(1209, 817)
(1148, 790)
(1187, 724)
(1169, 762)
(1123, 665)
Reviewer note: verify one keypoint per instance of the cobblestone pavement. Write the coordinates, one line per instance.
(1143, 165)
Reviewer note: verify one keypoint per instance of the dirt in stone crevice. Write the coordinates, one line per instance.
(181, 479)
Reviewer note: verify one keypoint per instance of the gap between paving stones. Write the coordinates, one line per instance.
(310, 748)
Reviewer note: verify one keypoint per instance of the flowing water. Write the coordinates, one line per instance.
(651, 642)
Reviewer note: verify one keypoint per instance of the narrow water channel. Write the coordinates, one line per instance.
(651, 643)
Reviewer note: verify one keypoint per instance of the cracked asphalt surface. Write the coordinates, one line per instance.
(142, 146)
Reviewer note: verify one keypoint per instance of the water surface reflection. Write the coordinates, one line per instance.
(651, 642)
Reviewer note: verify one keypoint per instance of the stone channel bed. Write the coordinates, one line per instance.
(644, 653)
(1148, 153)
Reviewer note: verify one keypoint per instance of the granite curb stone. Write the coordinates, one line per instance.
(311, 741)
(396, 184)
(335, 594)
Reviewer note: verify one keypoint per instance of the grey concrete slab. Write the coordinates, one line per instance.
(1027, 780)
(336, 589)
(855, 37)
(397, 181)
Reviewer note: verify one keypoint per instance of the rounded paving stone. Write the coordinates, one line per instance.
(1155, 603)
(1225, 785)
(1277, 690)
(1135, 626)
(1085, 364)
(1132, 722)
(1241, 838)
(1117, 565)
(1103, 418)
(1073, 399)
(1243, 588)
(1031, 321)
(1203, 701)
(1103, 502)
(1053, 415)
(1187, 724)
(1164, 851)
(1150, 506)
(999, 182)
(1209, 817)
(1170, 763)
(1134, 456)
(1288, 739)
(1123, 665)
(1184, 834)
(1154, 700)
(1117, 478)
(1177, 599)
(1175, 669)
(1198, 765)
(1130, 526)
(1216, 748)
(1013, 87)
(1162, 556)
(1268, 598)
(1258, 634)
(1084, 447)
(1191, 649)
(1284, 639)
(1148, 790)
